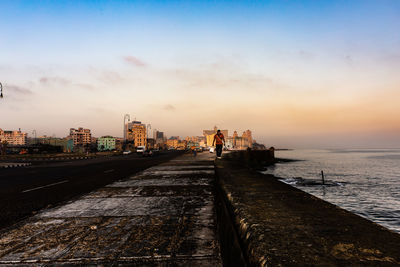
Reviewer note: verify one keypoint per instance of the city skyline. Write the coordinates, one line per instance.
(300, 74)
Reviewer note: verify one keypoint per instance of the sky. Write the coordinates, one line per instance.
(299, 74)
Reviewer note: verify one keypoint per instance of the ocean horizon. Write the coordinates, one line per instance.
(363, 181)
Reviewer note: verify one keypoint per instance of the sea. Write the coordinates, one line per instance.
(363, 181)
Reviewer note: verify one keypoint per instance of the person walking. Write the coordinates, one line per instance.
(219, 140)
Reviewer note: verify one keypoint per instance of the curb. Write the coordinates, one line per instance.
(57, 159)
(15, 165)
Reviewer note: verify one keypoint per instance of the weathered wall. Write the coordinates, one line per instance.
(274, 224)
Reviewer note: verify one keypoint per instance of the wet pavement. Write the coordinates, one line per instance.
(162, 216)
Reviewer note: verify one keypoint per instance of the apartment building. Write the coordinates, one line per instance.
(13, 137)
(106, 143)
(136, 133)
(80, 136)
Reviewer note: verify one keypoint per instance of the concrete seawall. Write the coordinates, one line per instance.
(264, 222)
(200, 212)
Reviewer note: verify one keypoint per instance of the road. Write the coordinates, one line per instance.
(24, 191)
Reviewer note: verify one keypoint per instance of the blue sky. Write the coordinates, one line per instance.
(271, 66)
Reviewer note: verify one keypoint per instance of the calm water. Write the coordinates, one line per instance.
(363, 181)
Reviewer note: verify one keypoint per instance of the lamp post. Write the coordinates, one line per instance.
(1, 90)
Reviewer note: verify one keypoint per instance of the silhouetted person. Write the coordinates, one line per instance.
(219, 140)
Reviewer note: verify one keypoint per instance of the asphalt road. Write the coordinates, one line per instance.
(24, 191)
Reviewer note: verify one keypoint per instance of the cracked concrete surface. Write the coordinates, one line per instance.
(162, 216)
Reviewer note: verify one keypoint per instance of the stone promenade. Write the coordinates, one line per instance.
(162, 216)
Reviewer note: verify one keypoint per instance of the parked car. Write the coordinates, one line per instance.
(140, 149)
(127, 152)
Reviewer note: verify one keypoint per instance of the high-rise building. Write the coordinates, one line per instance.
(13, 137)
(158, 135)
(159, 139)
(136, 133)
(80, 136)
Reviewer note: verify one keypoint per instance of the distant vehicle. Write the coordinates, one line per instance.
(140, 149)
(127, 152)
(212, 150)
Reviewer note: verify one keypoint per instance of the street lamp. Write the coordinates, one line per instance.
(1, 90)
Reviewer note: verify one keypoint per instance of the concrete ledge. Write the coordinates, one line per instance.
(14, 165)
(278, 225)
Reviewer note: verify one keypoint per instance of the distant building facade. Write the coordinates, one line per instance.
(232, 142)
(106, 143)
(13, 137)
(175, 142)
(80, 136)
(159, 139)
(136, 133)
(66, 144)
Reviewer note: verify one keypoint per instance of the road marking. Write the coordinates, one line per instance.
(107, 171)
(40, 187)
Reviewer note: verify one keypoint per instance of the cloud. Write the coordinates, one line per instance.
(85, 86)
(222, 80)
(169, 107)
(54, 80)
(110, 77)
(134, 61)
(17, 89)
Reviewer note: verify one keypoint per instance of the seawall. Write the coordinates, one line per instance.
(264, 222)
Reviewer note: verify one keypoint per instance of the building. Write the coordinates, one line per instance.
(159, 139)
(66, 144)
(136, 133)
(81, 137)
(106, 143)
(158, 135)
(209, 132)
(247, 135)
(172, 143)
(175, 142)
(241, 143)
(229, 142)
(13, 137)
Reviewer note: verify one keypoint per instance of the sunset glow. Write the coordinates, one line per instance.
(298, 73)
